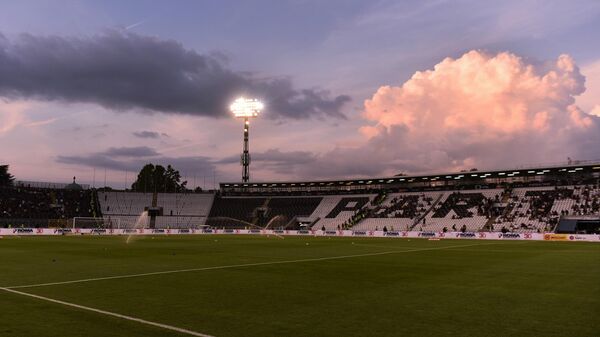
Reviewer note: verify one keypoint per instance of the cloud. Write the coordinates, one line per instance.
(12, 114)
(125, 71)
(302, 165)
(146, 134)
(479, 110)
(482, 110)
(139, 151)
(133, 159)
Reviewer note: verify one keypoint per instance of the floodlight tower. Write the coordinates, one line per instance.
(246, 108)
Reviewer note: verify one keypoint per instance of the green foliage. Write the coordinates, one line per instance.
(155, 178)
(6, 179)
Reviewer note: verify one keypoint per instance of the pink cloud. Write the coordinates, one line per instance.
(479, 94)
(482, 109)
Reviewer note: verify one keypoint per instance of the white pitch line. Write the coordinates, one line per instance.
(239, 266)
(108, 313)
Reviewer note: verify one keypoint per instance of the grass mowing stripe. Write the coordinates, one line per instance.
(108, 313)
(241, 266)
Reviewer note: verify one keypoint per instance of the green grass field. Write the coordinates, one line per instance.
(298, 286)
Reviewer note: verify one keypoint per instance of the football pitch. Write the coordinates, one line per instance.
(219, 285)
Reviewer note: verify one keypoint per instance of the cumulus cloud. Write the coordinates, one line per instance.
(482, 110)
(123, 71)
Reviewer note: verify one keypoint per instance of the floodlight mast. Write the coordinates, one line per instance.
(246, 109)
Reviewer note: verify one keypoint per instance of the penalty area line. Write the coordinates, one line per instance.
(108, 313)
(243, 265)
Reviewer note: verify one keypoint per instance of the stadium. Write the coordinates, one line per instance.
(434, 194)
(423, 248)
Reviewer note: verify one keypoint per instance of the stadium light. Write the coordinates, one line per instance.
(246, 108)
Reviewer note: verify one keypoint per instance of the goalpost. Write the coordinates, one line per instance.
(90, 222)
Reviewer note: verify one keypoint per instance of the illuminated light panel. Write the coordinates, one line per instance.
(246, 108)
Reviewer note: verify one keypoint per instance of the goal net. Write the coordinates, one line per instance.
(107, 223)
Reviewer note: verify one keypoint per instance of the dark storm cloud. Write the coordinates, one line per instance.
(138, 151)
(125, 71)
(146, 134)
(98, 161)
(102, 160)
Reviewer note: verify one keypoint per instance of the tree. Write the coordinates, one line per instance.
(6, 179)
(155, 178)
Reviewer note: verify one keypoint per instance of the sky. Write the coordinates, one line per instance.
(96, 89)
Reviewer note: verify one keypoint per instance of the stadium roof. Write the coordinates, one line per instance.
(508, 175)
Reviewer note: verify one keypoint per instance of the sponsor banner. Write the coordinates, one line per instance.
(346, 233)
(556, 237)
(466, 235)
(584, 237)
(512, 236)
(428, 234)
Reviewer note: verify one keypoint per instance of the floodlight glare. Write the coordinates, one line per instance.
(246, 109)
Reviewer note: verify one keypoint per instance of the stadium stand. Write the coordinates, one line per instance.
(537, 209)
(21, 203)
(536, 201)
(335, 211)
(179, 210)
(273, 212)
(399, 211)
